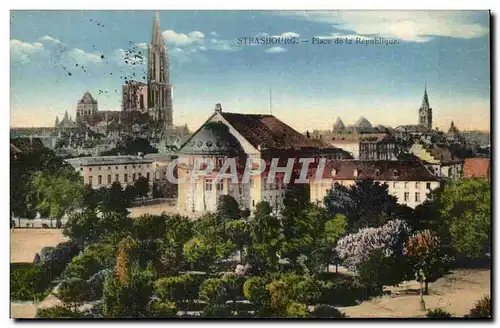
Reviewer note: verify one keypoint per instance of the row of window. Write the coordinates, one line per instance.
(117, 178)
(407, 197)
(116, 167)
(407, 185)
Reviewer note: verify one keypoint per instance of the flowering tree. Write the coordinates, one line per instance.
(376, 254)
(426, 256)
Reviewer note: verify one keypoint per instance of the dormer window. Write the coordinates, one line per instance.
(356, 172)
(395, 173)
(334, 172)
(377, 173)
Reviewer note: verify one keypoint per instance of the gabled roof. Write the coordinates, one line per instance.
(363, 123)
(339, 125)
(267, 131)
(377, 170)
(25, 144)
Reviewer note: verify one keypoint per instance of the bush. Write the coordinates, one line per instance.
(29, 282)
(73, 291)
(160, 309)
(343, 293)
(438, 313)
(327, 311)
(177, 289)
(255, 290)
(216, 311)
(482, 308)
(58, 312)
(214, 291)
(95, 284)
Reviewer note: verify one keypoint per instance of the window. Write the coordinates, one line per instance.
(90, 169)
(133, 166)
(99, 179)
(147, 176)
(220, 161)
(395, 185)
(133, 176)
(109, 168)
(125, 167)
(252, 183)
(109, 178)
(117, 177)
(139, 165)
(417, 185)
(90, 180)
(139, 174)
(407, 196)
(81, 169)
(220, 185)
(428, 186)
(253, 202)
(125, 178)
(116, 167)
(407, 185)
(417, 197)
(208, 184)
(99, 168)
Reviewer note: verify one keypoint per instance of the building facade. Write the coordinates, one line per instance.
(135, 97)
(248, 139)
(86, 106)
(409, 181)
(102, 171)
(439, 159)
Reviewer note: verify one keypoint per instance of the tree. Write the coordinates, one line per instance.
(238, 233)
(365, 204)
(255, 291)
(427, 258)
(199, 254)
(178, 289)
(130, 193)
(214, 291)
(115, 199)
(376, 254)
(228, 208)
(142, 187)
(460, 214)
(131, 298)
(57, 193)
(127, 250)
(73, 292)
(266, 240)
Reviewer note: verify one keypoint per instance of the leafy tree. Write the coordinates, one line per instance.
(149, 226)
(127, 250)
(238, 233)
(56, 193)
(58, 312)
(73, 292)
(228, 208)
(130, 193)
(327, 311)
(365, 204)
(256, 292)
(214, 291)
(460, 214)
(177, 289)
(266, 240)
(482, 309)
(427, 258)
(115, 200)
(199, 254)
(216, 311)
(142, 187)
(438, 313)
(128, 299)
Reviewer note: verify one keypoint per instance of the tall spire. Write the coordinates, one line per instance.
(425, 100)
(156, 30)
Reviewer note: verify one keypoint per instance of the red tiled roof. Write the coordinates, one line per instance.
(267, 131)
(376, 170)
(476, 168)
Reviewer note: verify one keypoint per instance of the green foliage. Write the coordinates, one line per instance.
(141, 187)
(29, 282)
(296, 310)
(199, 254)
(438, 313)
(150, 226)
(128, 299)
(327, 311)
(214, 291)
(73, 292)
(460, 213)
(228, 208)
(216, 311)
(482, 308)
(365, 204)
(178, 288)
(255, 290)
(160, 309)
(94, 259)
(115, 200)
(58, 312)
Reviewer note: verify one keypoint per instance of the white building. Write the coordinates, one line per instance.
(102, 171)
(409, 181)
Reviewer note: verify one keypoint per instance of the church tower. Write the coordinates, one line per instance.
(425, 112)
(159, 88)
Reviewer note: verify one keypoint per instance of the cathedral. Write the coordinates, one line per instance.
(155, 96)
(425, 112)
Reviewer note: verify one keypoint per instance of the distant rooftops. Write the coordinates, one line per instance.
(108, 160)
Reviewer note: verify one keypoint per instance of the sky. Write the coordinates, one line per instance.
(58, 55)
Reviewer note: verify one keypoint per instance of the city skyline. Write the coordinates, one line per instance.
(311, 84)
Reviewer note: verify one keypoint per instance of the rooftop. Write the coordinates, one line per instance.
(477, 168)
(108, 160)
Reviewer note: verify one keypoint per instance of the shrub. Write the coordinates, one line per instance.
(73, 291)
(95, 284)
(327, 311)
(160, 309)
(482, 308)
(438, 313)
(58, 312)
(178, 288)
(216, 311)
(255, 290)
(214, 291)
(29, 282)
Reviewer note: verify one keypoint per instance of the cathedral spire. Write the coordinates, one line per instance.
(425, 100)
(156, 31)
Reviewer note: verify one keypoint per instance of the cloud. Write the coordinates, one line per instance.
(142, 45)
(213, 33)
(290, 35)
(222, 45)
(82, 57)
(23, 51)
(343, 36)
(50, 39)
(412, 26)
(276, 50)
(181, 39)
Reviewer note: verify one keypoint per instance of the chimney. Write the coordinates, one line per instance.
(218, 108)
